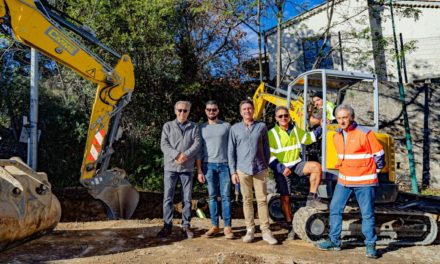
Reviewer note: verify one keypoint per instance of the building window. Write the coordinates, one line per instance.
(311, 48)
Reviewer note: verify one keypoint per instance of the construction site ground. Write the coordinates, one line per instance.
(134, 241)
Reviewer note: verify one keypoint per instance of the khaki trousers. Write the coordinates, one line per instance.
(258, 181)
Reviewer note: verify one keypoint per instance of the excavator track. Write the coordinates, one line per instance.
(393, 226)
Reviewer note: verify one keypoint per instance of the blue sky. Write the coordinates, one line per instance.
(267, 23)
(290, 11)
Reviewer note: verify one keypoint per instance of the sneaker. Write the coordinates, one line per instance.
(328, 245)
(268, 237)
(188, 232)
(249, 235)
(291, 234)
(164, 232)
(214, 230)
(371, 252)
(316, 203)
(228, 233)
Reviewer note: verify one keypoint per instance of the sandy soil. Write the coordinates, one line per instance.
(133, 241)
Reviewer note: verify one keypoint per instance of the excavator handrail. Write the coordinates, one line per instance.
(347, 75)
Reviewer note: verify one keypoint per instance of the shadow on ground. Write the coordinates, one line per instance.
(69, 244)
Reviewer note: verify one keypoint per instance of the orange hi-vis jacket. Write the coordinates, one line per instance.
(360, 157)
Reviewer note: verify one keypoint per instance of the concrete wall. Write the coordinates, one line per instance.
(425, 60)
(356, 17)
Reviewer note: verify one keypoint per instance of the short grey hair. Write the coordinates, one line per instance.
(187, 103)
(281, 107)
(345, 107)
(247, 101)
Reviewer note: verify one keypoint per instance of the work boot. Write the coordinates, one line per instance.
(214, 230)
(291, 234)
(328, 245)
(371, 252)
(228, 233)
(268, 237)
(250, 233)
(164, 232)
(187, 231)
(315, 202)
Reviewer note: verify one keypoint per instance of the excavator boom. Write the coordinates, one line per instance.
(44, 28)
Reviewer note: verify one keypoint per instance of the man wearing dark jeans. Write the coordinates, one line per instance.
(212, 167)
(360, 158)
(180, 143)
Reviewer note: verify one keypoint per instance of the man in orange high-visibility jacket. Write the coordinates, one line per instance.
(360, 158)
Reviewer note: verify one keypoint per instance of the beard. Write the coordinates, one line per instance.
(212, 117)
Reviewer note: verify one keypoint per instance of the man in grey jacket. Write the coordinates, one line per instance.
(180, 143)
(248, 158)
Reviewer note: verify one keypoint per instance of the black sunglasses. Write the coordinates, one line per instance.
(182, 110)
(285, 116)
(211, 109)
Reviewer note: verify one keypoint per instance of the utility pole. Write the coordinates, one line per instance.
(412, 166)
(33, 122)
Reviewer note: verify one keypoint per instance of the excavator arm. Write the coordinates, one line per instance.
(44, 28)
(262, 97)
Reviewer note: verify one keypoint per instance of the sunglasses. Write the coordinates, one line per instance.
(182, 110)
(211, 109)
(285, 116)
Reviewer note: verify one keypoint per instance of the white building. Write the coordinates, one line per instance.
(358, 29)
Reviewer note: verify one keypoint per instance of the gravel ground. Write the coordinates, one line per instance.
(133, 241)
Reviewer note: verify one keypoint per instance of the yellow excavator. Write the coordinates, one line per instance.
(27, 206)
(401, 218)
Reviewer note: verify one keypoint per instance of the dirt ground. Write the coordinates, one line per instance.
(133, 241)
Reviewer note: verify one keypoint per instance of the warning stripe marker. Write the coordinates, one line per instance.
(96, 145)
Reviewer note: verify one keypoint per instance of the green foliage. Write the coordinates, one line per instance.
(149, 173)
(181, 50)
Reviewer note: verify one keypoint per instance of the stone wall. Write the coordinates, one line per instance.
(423, 107)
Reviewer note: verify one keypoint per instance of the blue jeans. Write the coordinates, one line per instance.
(365, 198)
(169, 185)
(218, 178)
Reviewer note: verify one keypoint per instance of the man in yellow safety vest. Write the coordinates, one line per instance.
(285, 141)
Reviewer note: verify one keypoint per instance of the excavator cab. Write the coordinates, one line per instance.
(27, 206)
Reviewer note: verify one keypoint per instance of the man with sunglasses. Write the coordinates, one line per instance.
(285, 141)
(212, 168)
(180, 143)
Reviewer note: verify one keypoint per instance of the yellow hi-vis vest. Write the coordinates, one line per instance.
(287, 148)
(330, 107)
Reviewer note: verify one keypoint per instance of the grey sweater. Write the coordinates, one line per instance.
(214, 142)
(175, 140)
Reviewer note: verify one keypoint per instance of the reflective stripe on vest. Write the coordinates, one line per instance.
(355, 161)
(357, 180)
(287, 155)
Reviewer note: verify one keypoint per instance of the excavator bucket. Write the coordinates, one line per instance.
(114, 190)
(28, 208)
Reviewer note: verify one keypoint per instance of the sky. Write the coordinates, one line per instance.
(290, 11)
(267, 23)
